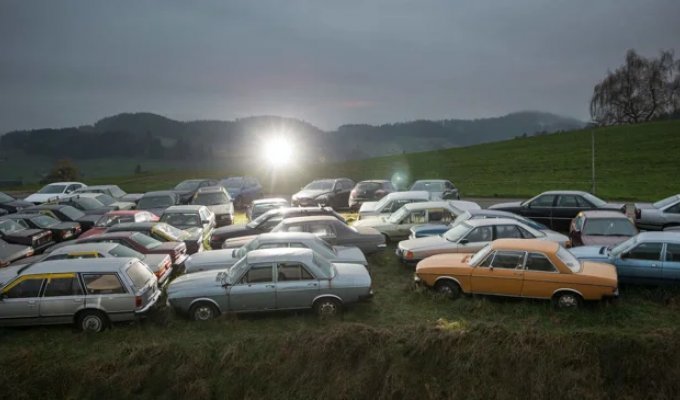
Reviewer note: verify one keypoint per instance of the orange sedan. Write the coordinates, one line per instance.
(520, 268)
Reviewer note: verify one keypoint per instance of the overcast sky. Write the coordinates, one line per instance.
(66, 63)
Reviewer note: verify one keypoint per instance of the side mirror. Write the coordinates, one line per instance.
(463, 241)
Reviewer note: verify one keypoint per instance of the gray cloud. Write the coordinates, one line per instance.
(71, 62)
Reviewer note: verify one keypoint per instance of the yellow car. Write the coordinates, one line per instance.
(520, 268)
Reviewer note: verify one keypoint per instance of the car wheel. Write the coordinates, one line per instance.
(203, 312)
(92, 321)
(327, 307)
(448, 288)
(567, 301)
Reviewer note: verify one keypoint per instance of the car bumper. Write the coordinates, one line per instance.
(367, 297)
(151, 305)
(400, 254)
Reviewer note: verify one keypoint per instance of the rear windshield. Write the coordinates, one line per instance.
(369, 186)
(44, 221)
(609, 227)
(124, 251)
(181, 219)
(155, 202)
(105, 199)
(139, 274)
(110, 220)
(146, 241)
(88, 203)
(210, 199)
(72, 213)
(665, 202)
(52, 189)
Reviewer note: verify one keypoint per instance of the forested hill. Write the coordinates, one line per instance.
(158, 137)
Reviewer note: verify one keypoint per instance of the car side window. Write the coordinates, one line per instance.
(416, 217)
(508, 260)
(539, 262)
(543, 201)
(293, 228)
(525, 233)
(646, 251)
(487, 261)
(673, 210)
(298, 245)
(292, 272)
(508, 232)
(272, 245)
(582, 202)
(25, 289)
(567, 201)
(439, 215)
(68, 286)
(321, 230)
(102, 284)
(673, 252)
(258, 273)
(480, 234)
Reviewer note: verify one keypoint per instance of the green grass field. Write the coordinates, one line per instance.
(406, 343)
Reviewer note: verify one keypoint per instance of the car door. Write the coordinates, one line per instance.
(296, 287)
(501, 273)
(475, 239)
(62, 297)
(642, 264)
(403, 228)
(107, 292)
(20, 302)
(539, 274)
(566, 209)
(255, 291)
(540, 209)
(671, 263)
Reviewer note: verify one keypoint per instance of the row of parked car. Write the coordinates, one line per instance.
(310, 257)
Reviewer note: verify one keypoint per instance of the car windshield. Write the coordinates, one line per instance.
(170, 232)
(325, 248)
(8, 226)
(609, 227)
(181, 219)
(163, 201)
(145, 241)
(665, 202)
(596, 201)
(210, 199)
(52, 189)
(480, 255)
(232, 183)
(4, 198)
(44, 221)
(457, 232)
(369, 186)
(188, 185)
(139, 274)
(428, 186)
(105, 199)
(398, 215)
(320, 185)
(124, 251)
(620, 248)
(324, 265)
(88, 203)
(462, 217)
(110, 220)
(569, 259)
(72, 213)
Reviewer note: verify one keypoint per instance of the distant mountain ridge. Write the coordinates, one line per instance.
(156, 136)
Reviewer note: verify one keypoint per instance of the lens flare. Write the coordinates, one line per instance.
(278, 152)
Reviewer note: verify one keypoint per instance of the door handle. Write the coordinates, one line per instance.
(77, 300)
(269, 286)
(311, 284)
(655, 265)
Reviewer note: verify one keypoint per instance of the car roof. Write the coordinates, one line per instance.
(603, 214)
(132, 225)
(492, 221)
(85, 194)
(659, 236)
(430, 204)
(126, 212)
(160, 193)
(410, 194)
(374, 181)
(49, 206)
(579, 192)
(183, 208)
(310, 218)
(277, 254)
(84, 247)
(77, 265)
(287, 236)
(493, 213)
(65, 183)
(211, 189)
(107, 234)
(270, 200)
(543, 246)
(431, 180)
(99, 187)
(196, 180)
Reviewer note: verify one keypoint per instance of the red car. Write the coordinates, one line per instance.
(141, 243)
(600, 228)
(119, 217)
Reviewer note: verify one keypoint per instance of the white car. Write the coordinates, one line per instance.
(54, 191)
(391, 203)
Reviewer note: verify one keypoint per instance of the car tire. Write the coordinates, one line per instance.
(448, 289)
(567, 301)
(92, 321)
(203, 311)
(327, 307)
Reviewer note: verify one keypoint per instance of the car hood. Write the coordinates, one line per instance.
(310, 194)
(555, 237)
(445, 264)
(223, 259)
(614, 206)
(193, 233)
(604, 274)
(349, 254)
(350, 275)
(88, 220)
(10, 252)
(425, 243)
(607, 241)
(221, 208)
(238, 241)
(368, 231)
(155, 261)
(232, 231)
(198, 280)
(26, 234)
(599, 253)
(43, 197)
(18, 204)
(63, 226)
(368, 206)
(508, 205)
(371, 222)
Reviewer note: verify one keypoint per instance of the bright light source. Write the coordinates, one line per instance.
(278, 152)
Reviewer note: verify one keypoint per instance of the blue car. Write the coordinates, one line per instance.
(419, 231)
(242, 189)
(648, 258)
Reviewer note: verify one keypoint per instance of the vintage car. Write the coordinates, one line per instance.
(242, 189)
(471, 236)
(660, 215)
(220, 259)
(89, 293)
(266, 222)
(325, 193)
(261, 206)
(438, 229)
(54, 191)
(334, 231)
(18, 232)
(12, 205)
(372, 190)
(186, 190)
(520, 268)
(439, 189)
(649, 258)
(398, 225)
(190, 217)
(600, 228)
(156, 202)
(64, 213)
(136, 241)
(217, 200)
(159, 264)
(192, 238)
(60, 230)
(113, 191)
(113, 218)
(268, 280)
(555, 209)
(391, 203)
(10, 253)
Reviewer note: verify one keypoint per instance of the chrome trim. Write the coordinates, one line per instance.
(326, 295)
(567, 290)
(204, 299)
(450, 278)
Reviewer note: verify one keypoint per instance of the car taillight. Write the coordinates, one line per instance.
(353, 193)
(138, 301)
(408, 255)
(638, 213)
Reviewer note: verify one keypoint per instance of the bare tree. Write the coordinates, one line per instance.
(640, 90)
